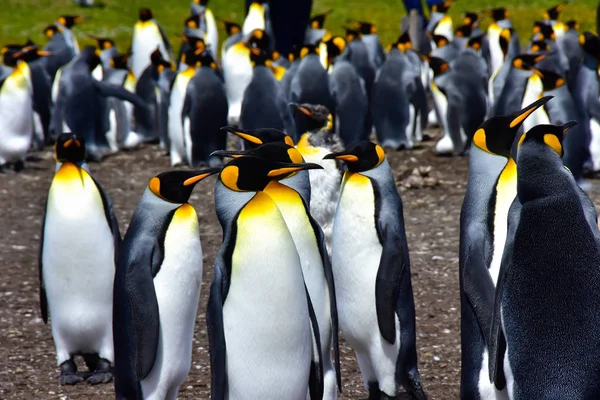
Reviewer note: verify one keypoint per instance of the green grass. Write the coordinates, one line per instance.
(20, 19)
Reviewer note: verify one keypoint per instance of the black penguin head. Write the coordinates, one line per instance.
(551, 135)
(276, 151)
(505, 37)
(442, 7)
(476, 42)
(258, 38)
(590, 43)
(527, 61)
(318, 21)
(51, 30)
(294, 54)
(365, 28)
(498, 14)
(157, 60)
(360, 157)
(30, 54)
(201, 2)
(192, 22)
(252, 174)
(497, 134)
(177, 186)
(69, 147)
(259, 57)
(315, 116)
(352, 33)
(195, 43)
(8, 51)
(438, 65)
(440, 40)
(463, 31)
(91, 56)
(553, 13)
(550, 80)
(205, 59)
(335, 46)
(145, 14)
(471, 19)
(120, 61)
(403, 43)
(256, 137)
(104, 43)
(544, 30)
(308, 49)
(231, 27)
(69, 20)
(539, 46)
(572, 25)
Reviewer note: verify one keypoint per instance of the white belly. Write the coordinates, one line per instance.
(265, 315)
(78, 267)
(445, 144)
(487, 390)
(177, 287)
(145, 41)
(176, 134)
(356, 252)
(533, 92)
(16, 118)
(237, 72)
(595, 144)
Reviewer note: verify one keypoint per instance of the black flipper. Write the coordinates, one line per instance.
(43, 298)
(111, 219)
(332, 297)
(315, 381)
(387, 283)
(478, 284)
(108, 90)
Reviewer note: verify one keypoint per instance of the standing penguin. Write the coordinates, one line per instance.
(310, 243)
(62, 44)
(147, 36)
(204, 113)
(156, 290)
(271, 356)
(211, 37)
(76, 286)
(316, 28)
(543, 295)
(491, 189)
(258, 17)
(372, 274)
(264, 105)
(371, 40)
(234, 35)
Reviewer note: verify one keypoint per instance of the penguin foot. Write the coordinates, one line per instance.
(102, 373)
(414, 388)
(68, 374)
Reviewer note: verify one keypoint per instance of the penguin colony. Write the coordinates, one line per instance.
(313, 229)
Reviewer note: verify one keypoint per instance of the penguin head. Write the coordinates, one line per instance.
(8, 52)
(231, 27)
(205, 59)
(352, 33)
(527, 61)
(335, 47)
(315, 115)
(539, 46)
(120, 61)
(552, 14)
(91, 56)
(440, 40)
(177, 186)
(476, 42)
(463, 31)
(365, 28)
(498, 14)
(550, 80)
(51, 30)
(308, 49)
(275, 151)
(438, 65)
(259, 57)
(294, 54)
(256, 137)
(572, 25)
(195, 43)
(201, 2)
(70, 20)
(157, 60)
(318, 21)
(504, 40)
(497, 134)
(442, 7)
(29, 54)
(590, 43)
(69, 147)
(252, 174)
(551, 135)
(471, 19)
(145, 14)
(192, 22)
(544, 31)
(360, 157)
(104, 43)
(258, 38)
(403, 43)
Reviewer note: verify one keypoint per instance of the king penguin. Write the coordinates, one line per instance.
(211, 37)
(147, 35)
(371, 269)
(543, 296)
(491, 189)
(310, 243)
(316, 28)
(371, 40)
(76, 286)
(259, 283)
(157, 288)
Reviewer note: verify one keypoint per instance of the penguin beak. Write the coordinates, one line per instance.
(341, 156)
(201, 175)
(286, 169)
(225, 153)
(520, 116)
(43, 53)
(242, 134)
(80, 19)
(568, 126)
(303, 110)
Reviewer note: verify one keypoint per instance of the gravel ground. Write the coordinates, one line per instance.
(431, 205)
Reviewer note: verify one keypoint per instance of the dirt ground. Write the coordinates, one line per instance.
(27, 356)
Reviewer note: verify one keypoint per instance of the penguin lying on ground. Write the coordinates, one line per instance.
(76, 285)
(156, 290)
